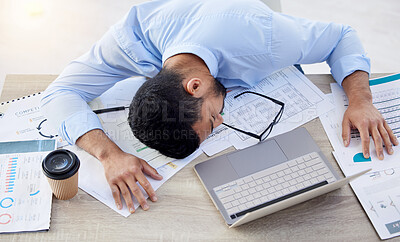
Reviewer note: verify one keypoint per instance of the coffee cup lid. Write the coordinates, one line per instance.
(60, 164)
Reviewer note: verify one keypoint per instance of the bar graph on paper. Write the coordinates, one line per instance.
(25, 196)
(11, 168)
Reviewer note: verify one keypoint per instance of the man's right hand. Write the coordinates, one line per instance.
(122, 171)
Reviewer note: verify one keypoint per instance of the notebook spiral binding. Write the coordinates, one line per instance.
(21, 98)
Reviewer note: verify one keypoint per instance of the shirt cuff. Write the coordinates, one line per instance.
(205, 54)
(349, 64)
(78, 124)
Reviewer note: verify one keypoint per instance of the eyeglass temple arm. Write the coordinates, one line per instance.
(259, 94)
(242, 131)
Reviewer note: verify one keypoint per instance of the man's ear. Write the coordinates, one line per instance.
(194, 87)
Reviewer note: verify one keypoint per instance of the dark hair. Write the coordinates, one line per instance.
(162, 113)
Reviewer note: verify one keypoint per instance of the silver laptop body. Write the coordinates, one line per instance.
(280, 172)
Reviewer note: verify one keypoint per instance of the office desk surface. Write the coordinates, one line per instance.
(184, 212)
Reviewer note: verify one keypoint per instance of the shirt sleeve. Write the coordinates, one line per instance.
(64, 102)
(302, 41)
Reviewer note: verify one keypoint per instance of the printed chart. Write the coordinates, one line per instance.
(25, 195)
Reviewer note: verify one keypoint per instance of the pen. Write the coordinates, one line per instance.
(107, 110)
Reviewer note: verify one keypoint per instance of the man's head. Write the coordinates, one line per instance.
(174, 113)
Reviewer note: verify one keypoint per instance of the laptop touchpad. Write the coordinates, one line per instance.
(257, 158)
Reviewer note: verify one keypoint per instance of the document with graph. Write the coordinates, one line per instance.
(25, 195)
(303, 102)
(378, 190)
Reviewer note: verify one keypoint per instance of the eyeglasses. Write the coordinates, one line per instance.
(268, 130)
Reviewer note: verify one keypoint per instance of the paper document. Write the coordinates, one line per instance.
(93, 181)
(24, 121)
(25, 195)
(252, 113)
(378, 191)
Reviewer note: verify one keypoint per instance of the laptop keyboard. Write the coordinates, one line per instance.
(274, 184)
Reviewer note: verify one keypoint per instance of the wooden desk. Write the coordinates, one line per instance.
(184, 212)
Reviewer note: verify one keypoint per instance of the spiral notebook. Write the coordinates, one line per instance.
(22, 120)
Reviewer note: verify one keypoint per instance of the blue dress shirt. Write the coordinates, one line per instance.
(241, 42)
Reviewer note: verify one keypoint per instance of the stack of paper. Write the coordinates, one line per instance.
(378, 190)
(303, 102)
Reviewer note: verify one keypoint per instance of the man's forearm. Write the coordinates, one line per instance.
(97, 143)
(356, 87)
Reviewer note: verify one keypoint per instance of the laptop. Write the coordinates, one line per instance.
(275, 174)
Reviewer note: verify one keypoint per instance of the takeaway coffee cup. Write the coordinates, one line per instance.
(61, 168)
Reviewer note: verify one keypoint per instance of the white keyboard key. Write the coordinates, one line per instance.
(259, 182)
(235, 203)
(227, 205)
(307, 157)
(314, 155)
(278, 194)
(227, 199)
(247, 179)
(244, 193)
(271, 197)
(299, 186)
(242, 207)
(237, 189)
(280, 180)
(285, 191)
(240, 182)
(295, 175)
(242, 200)
(313, 162)
(225, 193)
(273, 183)
(292, 163)
(271, 190)
(252, 184)
(259, 188)
(302, 166)
(237, 195)
(266, 185)
(299, 179)
(287, 178)
(318, 166)
(273, 176)
(230, 211)
(257, 195)
(264, 199)
(323, 171)
(252, 190)
(250, 204)
(250, 198)
(294, 168)
(257, 201)
(307, 183)
(266, 179)
(245, 186)
(280, 173)
(301, 172)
